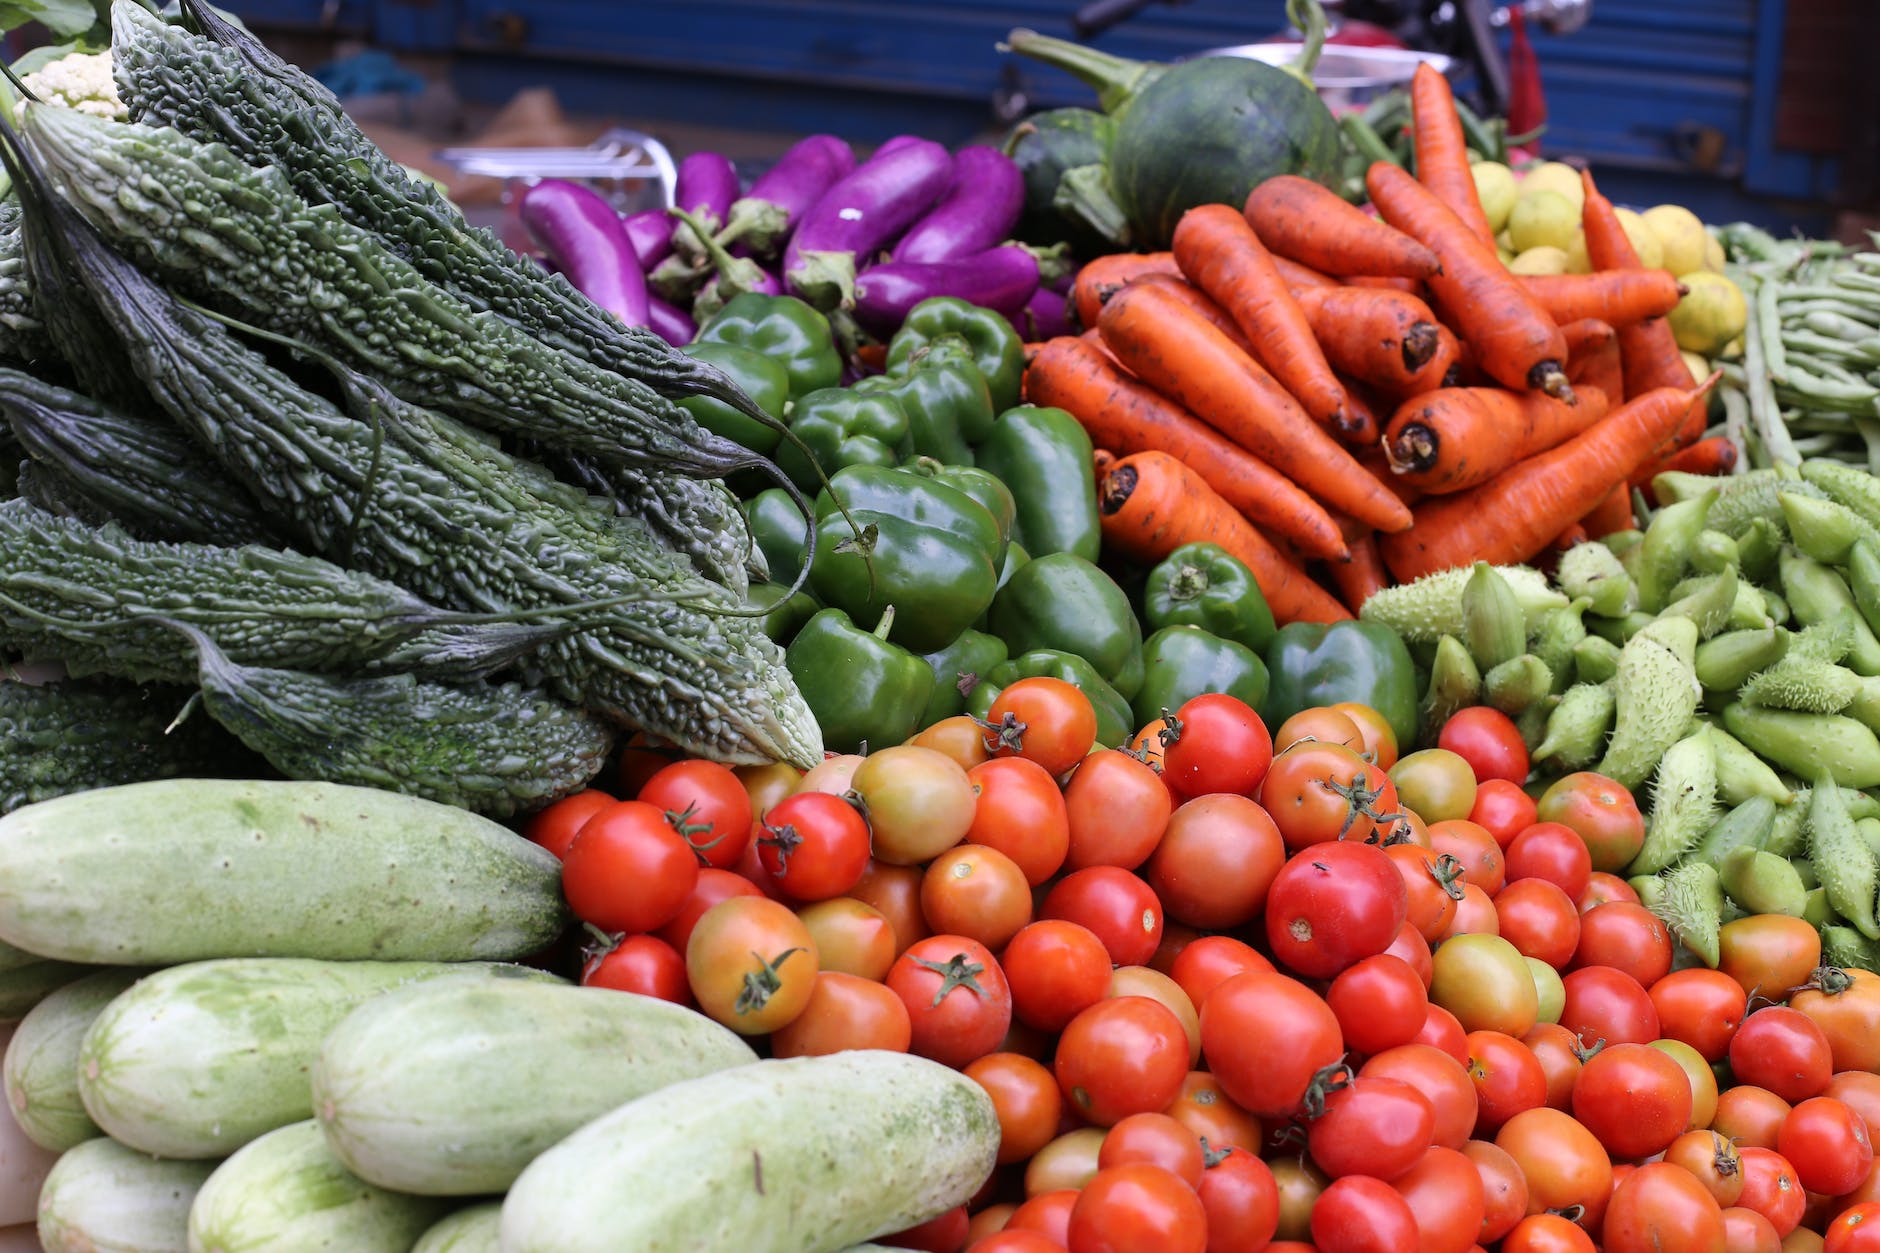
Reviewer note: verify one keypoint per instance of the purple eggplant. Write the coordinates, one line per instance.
(706, 185)
(650, 232)
(978, 211)
(898, 142)
(860, 216)
(761, 220)
(586, 238)
(999, 278)
(1046, 315)
(670, 322)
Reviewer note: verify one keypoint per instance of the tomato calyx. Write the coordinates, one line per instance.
(1211, 1156)
(599, 943)
(1572, 1213)
(1724, 1159)
(1389, 829)
(1448, 870)
(1171, 732)
(1829, 981)
(1006, 734)
(1333, 1078)
(958, 971)
(680, 820)
(786, 839)
(761, 983)
(1359, 800)
(1587, 1052)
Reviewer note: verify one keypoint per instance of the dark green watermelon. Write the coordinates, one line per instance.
(1044, 146)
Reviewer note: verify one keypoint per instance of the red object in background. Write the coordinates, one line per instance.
(1527, 104)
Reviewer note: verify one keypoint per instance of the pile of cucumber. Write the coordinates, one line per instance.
(287, 1016)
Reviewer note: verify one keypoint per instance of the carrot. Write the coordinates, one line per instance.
(1716, 455)
(1598, 366)
(1364, 427)
(1300, 220)
(1586, 335)
(1513, 515)
(1377, 465)
(1095, 340)
(1174, 350)
(1614, 513)
(1650, 350)
(1619, 297)
(1364, 575)
(1201, 303)
(1099, 278)
(1575, 534)
(1151, 504)
(1442, 154)
(1456, 438)
(1387, 338)
(1299, 277)
(1127, 417)
(1220, 254)
(1388, 282)
(1515, 340)
(1101, 459)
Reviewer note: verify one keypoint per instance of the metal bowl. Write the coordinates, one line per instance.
(1348, 76)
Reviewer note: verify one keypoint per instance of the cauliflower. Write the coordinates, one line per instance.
(80, 81)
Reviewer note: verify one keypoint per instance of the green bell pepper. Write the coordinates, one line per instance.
(1311, 664)
(934, 552)
(784, 329)
(1044, 456)
(762, 379)
(1204, 585)
(982, 485)
(945, 398)
(996, 345)
(1113, 714)
(957, 670)
(863, 689)
(1182, 662)
(779, 532)
(787, 613)
(843, 427)
(1064, 602)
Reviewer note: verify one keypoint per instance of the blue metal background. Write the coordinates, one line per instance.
(1672, 100)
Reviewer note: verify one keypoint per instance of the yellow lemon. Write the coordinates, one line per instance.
(1714, 256)
(1504, 254)
(1543, 219)
(1543, 259)
(1712, 313)
(1697, 364)
(1556, 177)
(1684, 239)
(1495, 188)
(1651, 253)
(1577, 262)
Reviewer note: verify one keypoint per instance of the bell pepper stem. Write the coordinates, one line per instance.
(886, 624)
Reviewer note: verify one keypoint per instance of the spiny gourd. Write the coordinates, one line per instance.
(1657, 693)
(1684, 803)
(1592, 572)
(1803, 683)
(1431, 607)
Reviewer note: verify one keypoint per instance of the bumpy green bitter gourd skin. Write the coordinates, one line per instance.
(22, 335)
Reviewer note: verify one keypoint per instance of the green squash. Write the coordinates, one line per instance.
(1045, 146)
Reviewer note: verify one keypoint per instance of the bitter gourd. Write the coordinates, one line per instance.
(496, 749)
(22, 335)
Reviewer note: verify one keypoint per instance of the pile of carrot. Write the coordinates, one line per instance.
(1340, 399)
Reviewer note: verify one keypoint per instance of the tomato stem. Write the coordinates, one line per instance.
(959, 971)
(1171, 732)
(786, 840)
(1007, 733)
(1328, 1080)
(1211, 1156)
(1828, 980)
(760, 983)
(1447, 870)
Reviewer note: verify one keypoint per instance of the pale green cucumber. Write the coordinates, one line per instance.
(472, 1230)
(185, 869)
(41, 1065)
(197, 1060)
(798, 1156)
(104, 1198)
(452, 1088)
(285, 1193)
(23, 987)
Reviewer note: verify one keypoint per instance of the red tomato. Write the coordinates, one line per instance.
(1118, 809)
(1216, 862)
(1020, 812)
(1413, 950)
(713, 885)
(1025, 1096)
(1489, 741)
(1547, 1233)
(1376, 1126)
(977, 892)
(1432, 885)
(1475, 915)
(1784, 1051)
(1471, 844)
(1563, 1163)
(1827, 1143)
(1332, 906)
(1317, 793)
(1602, 888)
(1442, 1081)
(1854, 1230)
(1625, 937)
(1746, 1231)
(1507, 1077)
(1043, 720)
(1712, 1161)
(639, 963)
(1560, 1055)
(1634, 1098)
(1241, 1200)
(1048, 1213)
(1607, 1004)
(1216, 743)
(1662, 1209)
(1769, 954)
(1504, 1189)
(1016, 1242)
(555, 826)
(1604, 814)
(1860, 1090)
(1504, 809)
(851, 937)
(706, 804)
(1380, 740)
(1157, 1140)
(814, 845)
(751, 964)
(1359, 1214)
(1158, 987)
(1319, 723)
(1138, 1209)
(956, 998)
(1265, 1037)
(1056, 970)
(1539, 919)
(845, 1012)
(1205, 1109)
(1554, 852)
(1212, 960)
(944, 1233)
(894, 893)
(1771, 1188)
(1120, 909)
(1124, 1055)
(1749, 1116)
(1444, 1191)
(1443, 1030)
(1847, 1009)
(1380, 1003)
(1701, 1007)
(628, 870)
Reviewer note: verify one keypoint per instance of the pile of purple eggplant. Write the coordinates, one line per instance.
(863, 242)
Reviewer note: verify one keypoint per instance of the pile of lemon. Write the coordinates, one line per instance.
(1536, 216)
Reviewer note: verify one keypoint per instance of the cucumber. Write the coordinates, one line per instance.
(797, 1156)
(25, 986)
(104, 1198)
(185, 869)
(284, 1193)
(452, 1088)
(197, 1060)
(472, 1230)
(41, 1065)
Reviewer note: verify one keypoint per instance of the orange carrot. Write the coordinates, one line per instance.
(1618, 297)
(1456, 438)
(1364, 575)
(1611, 514)
(1364, 427)
(1387, 338)
(1513, 515)
(1515, 341)
(1716, 455)
(1298, 219)
(1095, 340)
(1586, 335)
(1201, 303)
(1650, 350)
(1575, 534)
(1099, 278)
(1151, 504)
(1299, 277)
(1443, 155)
(1174, 350)
(1388, 282)
(1127, 417)
(1222, 256)
(1101, 459)
(1600, 367)
(1377, 465)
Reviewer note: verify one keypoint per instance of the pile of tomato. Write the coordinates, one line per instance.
(1231, 991)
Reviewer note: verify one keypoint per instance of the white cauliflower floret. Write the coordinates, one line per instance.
(80, 81)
